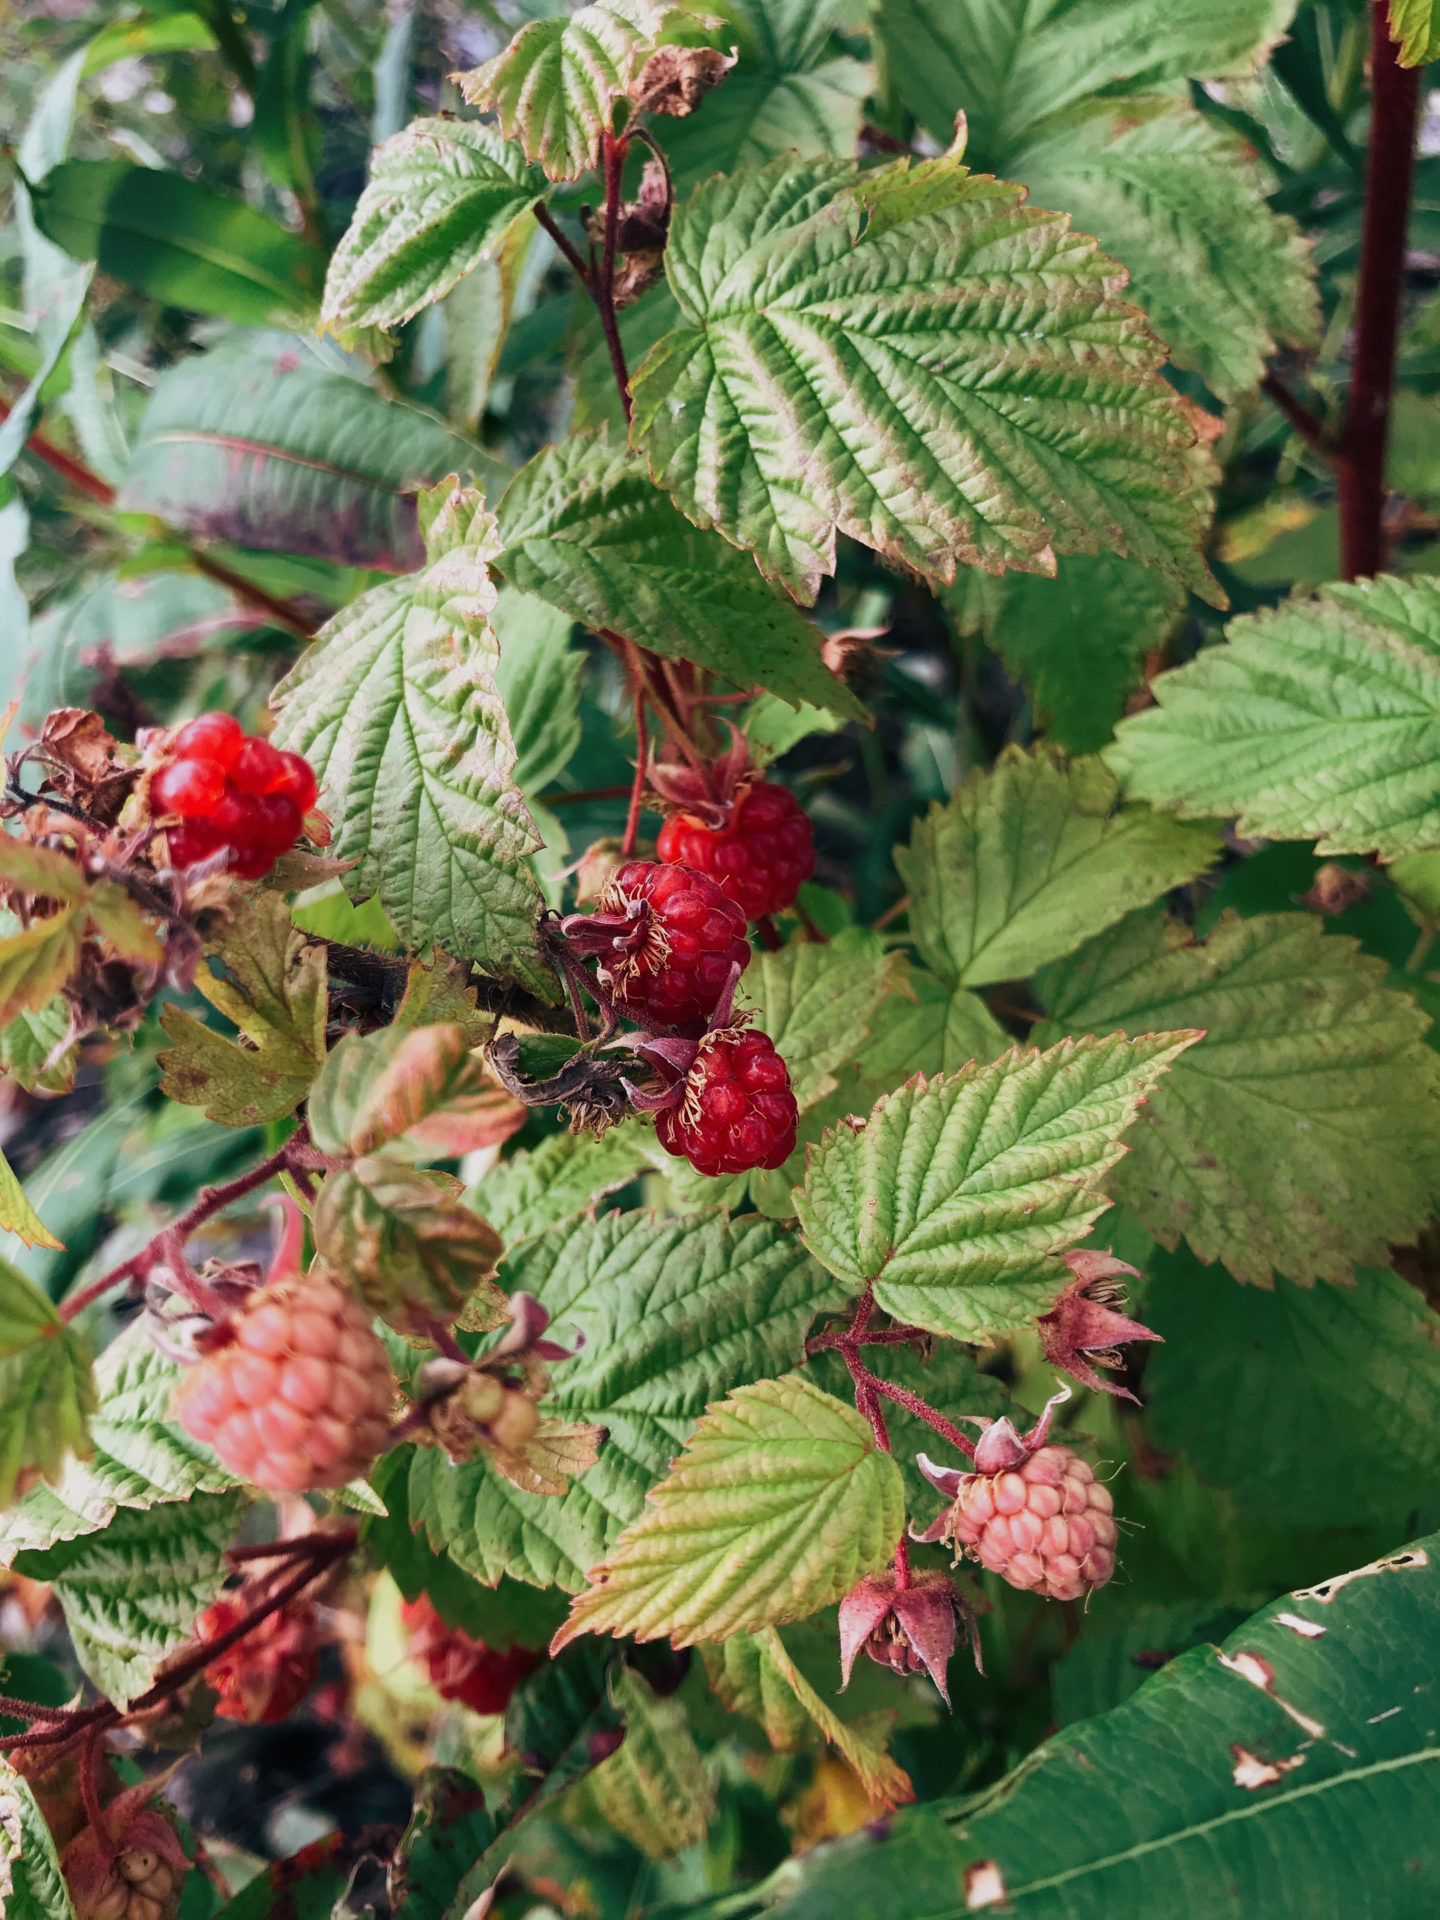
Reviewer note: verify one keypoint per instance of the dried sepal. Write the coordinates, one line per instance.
(1085, 1325)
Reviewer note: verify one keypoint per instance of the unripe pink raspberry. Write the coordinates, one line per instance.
(295, 1394)
(1034, 1514)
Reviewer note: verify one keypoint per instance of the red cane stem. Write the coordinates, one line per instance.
(613, 150)
(1395, 95)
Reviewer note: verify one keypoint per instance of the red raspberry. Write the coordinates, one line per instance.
(268, 1671)
(298, 782)
(760, 858)
(216, 737)
(686, 938)
(1047, 1525)
(258, 767)
(296, 1393)
(191, 788)
(196, 840)
(737, 1112)
(461, 1668)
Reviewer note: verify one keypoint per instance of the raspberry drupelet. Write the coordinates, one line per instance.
(295, 1394)
(667, 941)
(737, 1112)
(231, 792)
(760, 858)
(270, 1669)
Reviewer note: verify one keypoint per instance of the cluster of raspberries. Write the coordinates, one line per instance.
(231, 791)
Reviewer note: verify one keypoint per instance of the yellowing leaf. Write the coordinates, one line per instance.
(17, 1216)
(36, 962)
(275, 994)
(416, 1091)
(778, 1505)
(47, 1391)
(407, 1246)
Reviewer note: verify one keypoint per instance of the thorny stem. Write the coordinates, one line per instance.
(283, 612)
(211, 1201)
(1395, 95)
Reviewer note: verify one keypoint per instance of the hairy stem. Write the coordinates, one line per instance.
(1394, 103)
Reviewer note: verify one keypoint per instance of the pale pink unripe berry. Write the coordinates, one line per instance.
(1047, 1526)
(296, 1393)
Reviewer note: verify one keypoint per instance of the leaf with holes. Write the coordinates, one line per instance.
(131, 1594)
(1317, 720)
(1303, 1133)
(915, 358)
(778, 1505)
(441, 195)
(585, 528)
(555, 86)
(957, 1195)
(674, 1313)
(1030, 858)
(396, 708)
(47, 1390)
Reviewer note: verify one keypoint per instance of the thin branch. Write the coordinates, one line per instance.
(542, 216)
(1306, 424)
(637, 791)
(613, 150)
(1395, 97)
(585, 795)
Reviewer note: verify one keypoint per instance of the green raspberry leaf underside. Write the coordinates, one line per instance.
(32, 1886)
(1302, 1133)
(441, 194)
(47, 1389)
(1416, 25)
(555, 86)
(916, 359)
(778, 1505)
(957, 1195)
(1032, 857)
(1318, 719)
(396, 708)
(674, 1313)
(586, 529)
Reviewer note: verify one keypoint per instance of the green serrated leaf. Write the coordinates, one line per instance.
(916, 381)
(538, 677)
(586, 529)
(274, 990)
(778, 1505)
(1268, 1775)
(1416, 25)
(407, 1246)
(37, 961)
(1317, 720)
(791, 91)
(815, 1003)
(554, 87)
(1032, 857)
(132, 1593)
(565, 1175)
(1309, 1405)
(1008, 64)
(1076, 643)
(32, 1886)
(441, 195)
(1303, 1134)
(140, 1456)
(1222, 279)
(47, 1390)
(417, 1092)
(883, 1780)
(956, 1197)
(32, 1050)
(17, 1216)
(674, 1312)
(396, 708)
(655, 1790)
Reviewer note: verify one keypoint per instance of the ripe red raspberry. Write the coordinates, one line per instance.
(216, 737)
(461, 1668)
(297, 781)
(1046, 1526)
(759, 859)
(667, 939)
(737, 1111)
(296, 1391)
(191, 788)
(268, 1671)
(258, 767)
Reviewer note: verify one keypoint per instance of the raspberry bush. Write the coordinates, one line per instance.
(719, 869)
